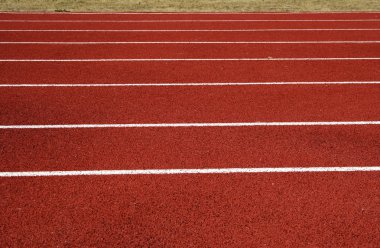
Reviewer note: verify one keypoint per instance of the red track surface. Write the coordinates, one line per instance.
(259, 210)
(188, 25)
(158, 148)
(70, 36)
(190, 104)
(18, 51)
(188, 71)
(313, 210)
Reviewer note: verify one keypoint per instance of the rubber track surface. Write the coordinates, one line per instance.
(188, 71)
(74, 36)
(232, 210)
(325, 209)
(188, 25)
(190, 104)
(84, 51)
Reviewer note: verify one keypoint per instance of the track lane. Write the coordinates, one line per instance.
(187, 71)
(107, 105)
(100, 51)
(278, 210)
(179, 148)
(297, 35)
(188, 25)
(284, 210)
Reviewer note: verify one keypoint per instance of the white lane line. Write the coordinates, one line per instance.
(191, 30)
(188, 20)
(216, 124)
(187, 59)
(189, 171)
(190, 84)
(189, 42)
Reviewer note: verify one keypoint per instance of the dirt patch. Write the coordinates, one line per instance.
(190, 5)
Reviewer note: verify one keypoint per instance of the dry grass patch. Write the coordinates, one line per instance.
(190, 5)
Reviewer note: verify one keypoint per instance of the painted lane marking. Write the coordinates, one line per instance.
(187, 42)
(215, 124)
(191, 30)
(188, 171)
(187, 59)
(190, 84)
(188, 20)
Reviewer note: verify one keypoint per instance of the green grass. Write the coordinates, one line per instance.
(190, 5)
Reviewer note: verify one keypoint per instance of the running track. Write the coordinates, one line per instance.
(172, 130)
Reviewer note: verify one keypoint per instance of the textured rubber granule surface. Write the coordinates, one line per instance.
(326, 209)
